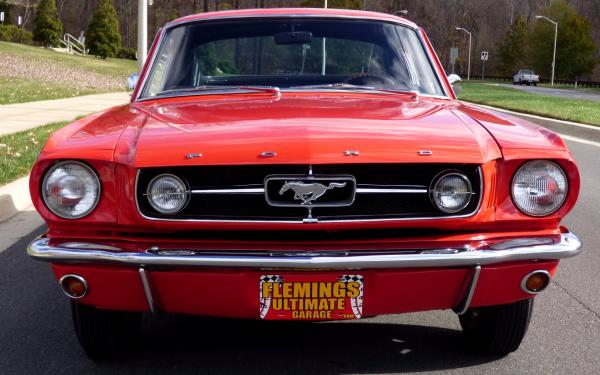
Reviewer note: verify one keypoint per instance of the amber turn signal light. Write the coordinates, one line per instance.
(535, 281)
(73, 286)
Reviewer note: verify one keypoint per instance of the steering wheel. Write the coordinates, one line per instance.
(364, 79)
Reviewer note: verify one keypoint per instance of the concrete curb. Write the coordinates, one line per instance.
(14, 198)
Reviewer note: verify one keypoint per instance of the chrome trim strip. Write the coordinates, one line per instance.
(568, 245)
(147, 290)
(262, 190)
(230, 191)
(284, 90)
(81, 279)
(399, 21)
(150, 66)
(432, 64)
(464, 306)
(390, 191)
(89, 246)
(475, 211)
(524, 281)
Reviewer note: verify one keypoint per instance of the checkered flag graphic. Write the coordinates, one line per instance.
(348, 278)
(271, 279)
(265, 301)
(356, 303)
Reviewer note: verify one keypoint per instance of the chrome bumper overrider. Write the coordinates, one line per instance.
(567, 245)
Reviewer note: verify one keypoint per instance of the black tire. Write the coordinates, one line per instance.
(499, 329)
(535, 83)
(104, 334)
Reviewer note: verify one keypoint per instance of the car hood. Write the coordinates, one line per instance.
(305, 129)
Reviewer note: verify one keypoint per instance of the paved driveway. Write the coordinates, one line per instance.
(36, 334)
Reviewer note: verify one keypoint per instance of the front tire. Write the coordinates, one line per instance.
(499, 329)
(104, 334)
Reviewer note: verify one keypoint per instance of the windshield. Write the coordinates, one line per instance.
(291, 54)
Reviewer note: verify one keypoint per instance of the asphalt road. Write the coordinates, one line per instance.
(563, 93)
(36, 335)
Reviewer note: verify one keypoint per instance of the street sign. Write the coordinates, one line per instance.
(2, 17)
(484, 58)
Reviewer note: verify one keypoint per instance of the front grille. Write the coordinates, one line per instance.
(251, 205)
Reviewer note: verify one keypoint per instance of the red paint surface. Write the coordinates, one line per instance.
(305, 128)
(235, 293)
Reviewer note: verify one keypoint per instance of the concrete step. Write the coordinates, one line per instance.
(61, 50)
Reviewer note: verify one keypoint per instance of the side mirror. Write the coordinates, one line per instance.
(132, 81)
(454, 80)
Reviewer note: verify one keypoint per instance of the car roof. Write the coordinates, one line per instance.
(283, 12)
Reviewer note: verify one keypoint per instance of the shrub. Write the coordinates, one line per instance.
(15, 34)
(127, 53)
(103, 35)
(47, 28)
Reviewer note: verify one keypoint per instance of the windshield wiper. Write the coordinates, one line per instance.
(348, 86)
(204, 88)
(339, 85)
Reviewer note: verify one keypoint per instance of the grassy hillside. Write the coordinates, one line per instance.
(32, 73)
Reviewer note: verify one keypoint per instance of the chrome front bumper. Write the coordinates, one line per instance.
(521, 249)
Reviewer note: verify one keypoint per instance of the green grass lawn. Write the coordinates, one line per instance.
(583, 111)
(18, 151)
(20, 90)
(32, 73)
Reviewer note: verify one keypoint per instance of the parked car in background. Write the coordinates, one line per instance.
(301, 164)
(526, 77)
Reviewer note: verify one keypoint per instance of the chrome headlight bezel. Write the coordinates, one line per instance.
(434, 185)
(178, 209)
(557, 206)
(50, 206)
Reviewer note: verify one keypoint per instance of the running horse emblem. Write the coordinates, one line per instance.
(308, 192)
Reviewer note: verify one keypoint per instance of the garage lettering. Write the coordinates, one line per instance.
(310, 300)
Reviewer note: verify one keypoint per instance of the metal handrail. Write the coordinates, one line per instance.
(74, 44)
(63, 44)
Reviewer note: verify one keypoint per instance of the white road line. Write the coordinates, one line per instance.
(597, 128)
(579, 140)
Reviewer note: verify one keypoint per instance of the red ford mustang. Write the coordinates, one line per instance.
(301, 164)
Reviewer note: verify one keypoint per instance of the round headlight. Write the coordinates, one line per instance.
(539, 188)
(71, 189)
(452, 192)
(167, 194)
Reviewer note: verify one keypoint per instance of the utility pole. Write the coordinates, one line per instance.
(469, 68)
(142, 31)
(555, 37)
(324, 52)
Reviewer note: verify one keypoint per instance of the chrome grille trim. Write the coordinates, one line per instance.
(324, 221)
(359, 190)
(230, 191)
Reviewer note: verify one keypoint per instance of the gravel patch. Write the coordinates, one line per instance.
(56, 73)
